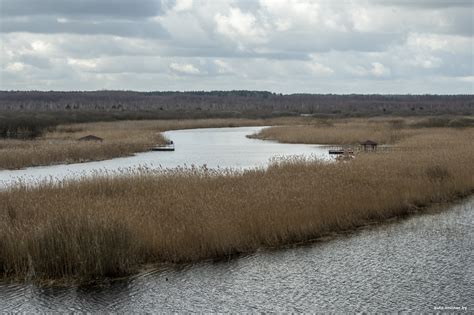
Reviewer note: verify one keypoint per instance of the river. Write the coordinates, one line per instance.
(422, 263)
(213, 147)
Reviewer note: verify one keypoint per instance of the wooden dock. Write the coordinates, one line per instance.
(348, 149)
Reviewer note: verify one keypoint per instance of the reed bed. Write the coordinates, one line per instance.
(16, 154)
(121, 138)
(112, 225)
(352, 131)
(335, 133)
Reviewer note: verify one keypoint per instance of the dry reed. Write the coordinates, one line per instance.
(110, 226)
(341, 132)
(351, 131)
(124, 138)
(121, 138)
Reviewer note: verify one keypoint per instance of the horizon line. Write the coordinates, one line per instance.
(234, 90)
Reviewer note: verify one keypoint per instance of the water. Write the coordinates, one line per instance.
(417, 264)
(214, 147)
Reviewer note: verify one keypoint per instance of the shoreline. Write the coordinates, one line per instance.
(134, 136)
(130, 142)
(65, 163)
(110, 226)
(312, 240)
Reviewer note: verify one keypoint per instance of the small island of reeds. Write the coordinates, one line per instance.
(111, 226)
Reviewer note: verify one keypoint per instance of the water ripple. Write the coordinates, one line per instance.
(411, 265)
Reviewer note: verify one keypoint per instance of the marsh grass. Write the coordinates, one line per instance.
(62, 146)
(110, 226)
(353, 131)
(121, 138)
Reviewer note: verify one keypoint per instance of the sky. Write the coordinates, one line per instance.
(283, 46)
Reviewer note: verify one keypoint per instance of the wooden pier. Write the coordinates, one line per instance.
(359, 149)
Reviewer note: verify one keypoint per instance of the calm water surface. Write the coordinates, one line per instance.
(414, 264)
(214, 147)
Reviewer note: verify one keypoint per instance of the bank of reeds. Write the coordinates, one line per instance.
(314, 134)
(36, 153)
(121, 138)
(110, 226)
(353, 131)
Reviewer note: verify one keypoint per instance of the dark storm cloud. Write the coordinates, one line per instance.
(49, 25)
(112, 8)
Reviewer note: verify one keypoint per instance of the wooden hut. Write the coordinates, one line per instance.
(369, 145)
(91, 138)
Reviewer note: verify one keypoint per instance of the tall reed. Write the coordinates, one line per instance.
(110, 226)
(351, 131)
(121, 138)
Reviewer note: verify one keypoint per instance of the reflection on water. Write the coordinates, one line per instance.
(414, 264)
(214, 147)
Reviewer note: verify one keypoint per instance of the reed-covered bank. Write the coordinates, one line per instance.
(352, 131)
(110, 226)
(121, 138)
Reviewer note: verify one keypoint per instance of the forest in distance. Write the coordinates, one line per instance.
(26, 114)
(237, 103)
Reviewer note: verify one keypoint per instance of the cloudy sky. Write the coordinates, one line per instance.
(287, 46)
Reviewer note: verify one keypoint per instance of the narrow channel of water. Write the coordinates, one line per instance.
(419, 263)
(416, 264)
(214, 147)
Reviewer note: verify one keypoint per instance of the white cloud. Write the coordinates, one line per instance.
(292, 12)
(320, 69)
(15, 67)
(469, 79)
(41, 46)
(379, 70)
(281, 45)
(440, 42)
(357, 70)
(426, 61)
(427, 41)
(183, 5)
(184, 68)
(223, 67)
(239, 26)
(82, 63)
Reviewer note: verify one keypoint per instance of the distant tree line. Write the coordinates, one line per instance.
(28, 113)
(245, 103)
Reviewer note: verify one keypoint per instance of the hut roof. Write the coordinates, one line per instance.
(90, 138)
(369, 142)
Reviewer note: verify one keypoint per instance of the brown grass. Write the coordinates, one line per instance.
(351, 131)
(121, 138)
(124, 138)
(62, 146)
(110, 226)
